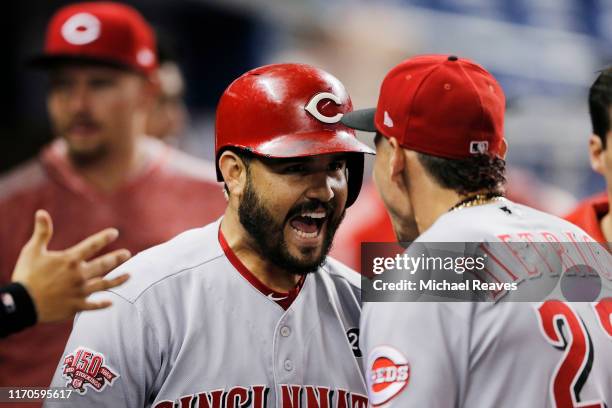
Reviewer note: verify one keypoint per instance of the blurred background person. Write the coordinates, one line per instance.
(101, 171)
(49, 286)
(167, 116)
(593, 214)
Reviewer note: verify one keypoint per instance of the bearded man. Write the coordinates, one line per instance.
(249, 310)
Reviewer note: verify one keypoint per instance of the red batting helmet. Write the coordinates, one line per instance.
(289, 110)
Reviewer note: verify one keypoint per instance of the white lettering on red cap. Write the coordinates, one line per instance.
(81, 29)
(312, 107)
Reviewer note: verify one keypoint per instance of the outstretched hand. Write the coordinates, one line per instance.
(60, 281)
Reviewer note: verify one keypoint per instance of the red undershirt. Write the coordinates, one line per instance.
(588, 215)
(283, 299)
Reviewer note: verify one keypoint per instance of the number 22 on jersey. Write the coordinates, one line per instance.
(563, 328)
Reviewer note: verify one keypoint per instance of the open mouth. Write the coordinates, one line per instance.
(308, 224)
(83, 128)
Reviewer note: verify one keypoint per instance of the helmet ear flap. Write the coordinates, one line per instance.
(354, 164)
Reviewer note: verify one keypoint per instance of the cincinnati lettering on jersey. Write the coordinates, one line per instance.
(256, 396)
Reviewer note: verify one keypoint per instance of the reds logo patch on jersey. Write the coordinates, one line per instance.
(388, 374)
(86, 368)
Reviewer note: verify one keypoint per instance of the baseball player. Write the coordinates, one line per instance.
(247, 311)
(440, 169)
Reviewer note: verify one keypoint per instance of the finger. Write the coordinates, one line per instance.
(43, 230)
(98, 284)
(101, 265)
(92, 244)
(85, 305)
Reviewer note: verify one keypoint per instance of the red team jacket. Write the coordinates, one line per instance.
(174, 193)
(589, 213)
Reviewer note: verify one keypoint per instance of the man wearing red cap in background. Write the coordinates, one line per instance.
(440, 171)
(102, 171)
(593, 215)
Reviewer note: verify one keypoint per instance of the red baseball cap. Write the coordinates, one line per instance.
(99, 32)
(439, 105)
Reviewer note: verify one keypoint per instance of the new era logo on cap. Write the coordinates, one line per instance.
(387, 121)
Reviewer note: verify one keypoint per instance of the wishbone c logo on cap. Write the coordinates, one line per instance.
(312, 108)
(81, 29)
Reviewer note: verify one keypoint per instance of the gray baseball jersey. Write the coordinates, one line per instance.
(189, 329)
(549, 354)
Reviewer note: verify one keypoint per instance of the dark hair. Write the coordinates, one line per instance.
(600, 99)
(465, 176)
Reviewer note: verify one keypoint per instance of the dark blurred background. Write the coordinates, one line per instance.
(546, 53)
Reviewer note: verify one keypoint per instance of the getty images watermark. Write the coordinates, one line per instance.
(484, 271)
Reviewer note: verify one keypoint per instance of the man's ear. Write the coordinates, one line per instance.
(397, 164)
(503, 149)
(596, 154)
(151, 90)
(234, 172)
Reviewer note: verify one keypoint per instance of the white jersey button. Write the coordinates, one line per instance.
(288, 365)
(285, 331)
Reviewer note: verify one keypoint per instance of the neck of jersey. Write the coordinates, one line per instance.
(283, 299)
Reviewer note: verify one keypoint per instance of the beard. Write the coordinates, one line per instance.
(83, 153)
(267, 232)
(86, 158)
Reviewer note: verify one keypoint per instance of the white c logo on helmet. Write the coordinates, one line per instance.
(311, 107)
(81, 29)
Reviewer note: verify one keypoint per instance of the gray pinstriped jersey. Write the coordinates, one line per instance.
(188, 330)
(438, 355)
